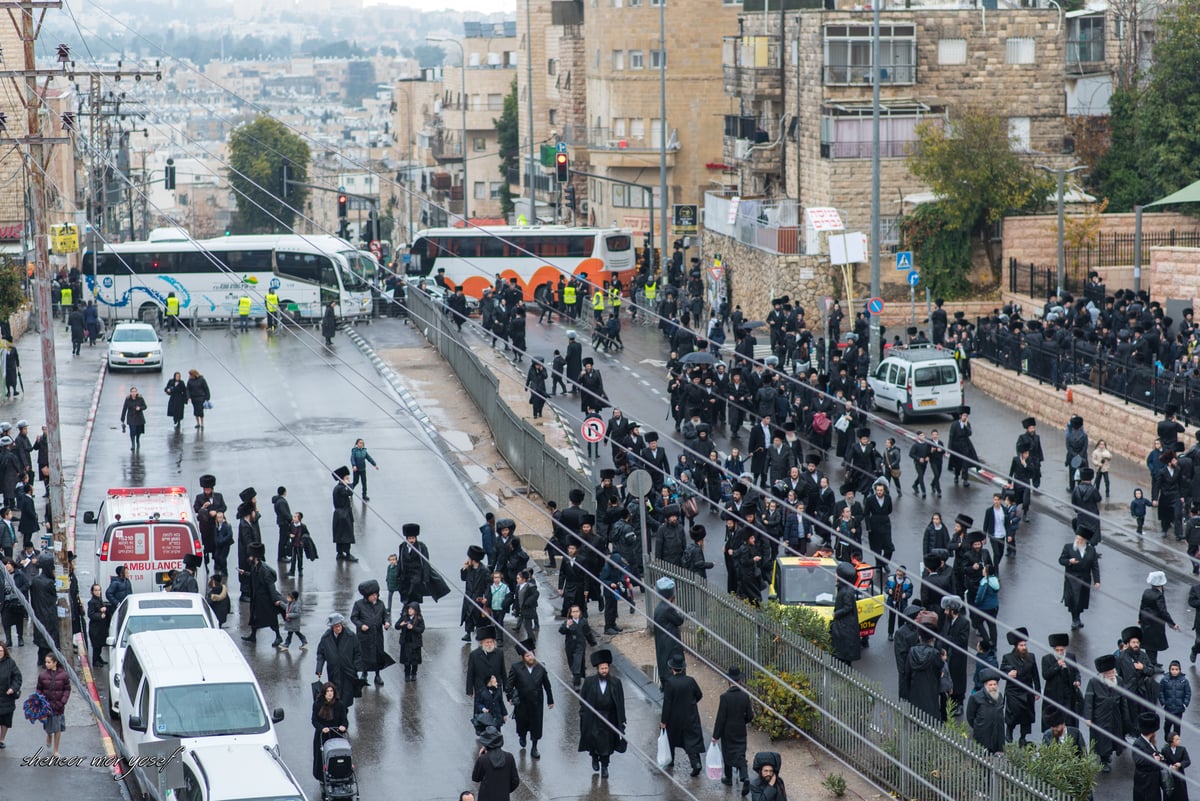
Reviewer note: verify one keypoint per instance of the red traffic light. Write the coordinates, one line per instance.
(343, 206)
(560, 167)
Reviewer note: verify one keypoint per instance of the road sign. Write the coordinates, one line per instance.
(914, 278)
(375, 247)
(904, 260)
(592, 429)
(684, 218)
(875, 306)
(639, 483)
(562, 147)
(64, 238)
(717, 273)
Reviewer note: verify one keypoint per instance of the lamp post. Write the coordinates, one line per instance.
(1061, 173)
(662, 132)
(463, 105)
(875, 345)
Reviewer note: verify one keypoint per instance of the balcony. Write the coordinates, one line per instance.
(610, 149)
(752, 67)
(771, 226)
(747, 143)
(444, 152)
(1085, 56)
(861, 74)
(888, 149)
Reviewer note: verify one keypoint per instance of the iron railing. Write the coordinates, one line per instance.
(892, 742)
(1117, 249)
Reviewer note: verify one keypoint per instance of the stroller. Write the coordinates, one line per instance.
(338, 781)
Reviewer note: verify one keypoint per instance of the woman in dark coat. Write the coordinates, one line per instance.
(329, 719)
(10, 690)
(99, 618)
(343, 515)
(535, 382)
(844, 634)
(411, 625)
(177, 398)
(329, 322)
(133, 414)
(198, 394)
(370, 619)
(495, 769)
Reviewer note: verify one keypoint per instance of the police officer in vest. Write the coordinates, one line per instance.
(614, 297)
(650, 291)
(172, 311)
(67, 298)
(568, 299)
(243, 307)
(272, 301)
(598, 304)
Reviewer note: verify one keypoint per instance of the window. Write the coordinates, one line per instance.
(658, 2)
(552, 114)
(597, 62)
(889, 230)
(637, 129)
(495, 101)
(731, 2)
(657, 59)
(163, 622)
(935, 376)
(618, 59)
(1018, 134)
(618, 127)
(848, 54)
(656, 133)
(1085, 40)
(952, 51)
(552, 66)
(846, 133)
(510, 58)
(494, 190)
(480, 190)
(1019, 50)
(204, 710)
(634, 3)
(629, 197)
(636, 60)
(307, 267)
(478, 144)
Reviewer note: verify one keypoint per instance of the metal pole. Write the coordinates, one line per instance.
(912, 305)
(662, 133)
(532, 194)
(1062, 268)
(875, 233)
(1137, 248)
(466, 211)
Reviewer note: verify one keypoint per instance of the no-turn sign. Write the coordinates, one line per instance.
(592, 429)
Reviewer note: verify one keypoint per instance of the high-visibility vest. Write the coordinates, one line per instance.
(67, 296)
(614, 297)
(598, 301)
(172, 307)
(243, 306)
(651, 290)
(569, 295)
(272, 302)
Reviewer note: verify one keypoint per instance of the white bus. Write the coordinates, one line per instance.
(131, 281)
(473, 257)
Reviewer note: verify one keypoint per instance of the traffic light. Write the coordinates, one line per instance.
(344, 229)
(169, 174)
(343, 205)
(569, 196)
(560, 167)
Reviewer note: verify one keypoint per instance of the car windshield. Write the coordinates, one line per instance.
(811, 585)
(209, 710)
(936, 375)
(134, 335)
(139, 623)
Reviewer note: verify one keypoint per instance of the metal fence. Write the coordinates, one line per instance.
(861, 716)
(523, 446)
(1117, 249)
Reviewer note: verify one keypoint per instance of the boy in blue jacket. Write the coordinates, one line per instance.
(1174, 696)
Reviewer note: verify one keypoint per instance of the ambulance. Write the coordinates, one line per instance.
(148, 530)
(812, 581)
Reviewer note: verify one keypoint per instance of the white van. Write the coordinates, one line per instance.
(917, 381)
(194, 685)
(148, 530)
(236, 773)
(150, 611)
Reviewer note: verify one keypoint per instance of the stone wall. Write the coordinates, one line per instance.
(1129, 430)
(756, 276)
(1174, 273)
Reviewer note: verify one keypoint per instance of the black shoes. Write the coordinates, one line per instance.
(521, 740)
(249, 638)
(604, 771)
(595, 764)
(534, 752)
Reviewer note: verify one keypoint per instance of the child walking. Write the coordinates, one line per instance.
(393, 579)
(411, 627)
(291, 621)
(498, 598)
(1137, 509)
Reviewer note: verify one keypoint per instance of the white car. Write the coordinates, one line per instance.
(150, 611)
(135, 346)
(237, 773)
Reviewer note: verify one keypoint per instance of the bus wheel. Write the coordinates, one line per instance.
(148, 314)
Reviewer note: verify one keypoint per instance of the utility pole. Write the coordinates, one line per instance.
(1061, 174)
(876, 345)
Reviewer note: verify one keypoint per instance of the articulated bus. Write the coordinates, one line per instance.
(473, 257)
(131, 281)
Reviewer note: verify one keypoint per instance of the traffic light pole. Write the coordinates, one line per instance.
(649, 190)
(374, 201)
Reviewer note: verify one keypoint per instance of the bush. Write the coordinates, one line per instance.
(1059, 765)
(774, 695)
(11, 293)
(835, 783)
(801, 621)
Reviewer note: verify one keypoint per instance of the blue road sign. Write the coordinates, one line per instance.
(562, 147)
(904, 260)
(914, 278)
(875, 305)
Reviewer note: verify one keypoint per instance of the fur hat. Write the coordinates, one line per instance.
(334, 619)
(741, 489)
(601, 657)
(676, 662)
(191, 561)
(1017, 636)
(257, 549)
(665, 585)
(953, 602)
(1059, 640)
(608, 473)
(248, 494)
(1029, 422)
(475, 553)
(485, 633)
(964, 409)
(368, 587)
(651, 436)
(976, 536)
(671, 510)
(588, 360)
(1105, 663)
(933, 560)
(244, 509)
(506, 523)
(1148, 723)
(587, 520)
(697, 533)
(1052, 717)
(576, 495)
(1087, 474)
(813, 458)
(862, 432)
(1131, 633)
(411, 530)
(991, 674)
(966, 521)
(342, 472)
(208, 481)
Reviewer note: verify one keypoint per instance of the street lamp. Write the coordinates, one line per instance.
(662, 132)
(1062, 174)
(463, 105)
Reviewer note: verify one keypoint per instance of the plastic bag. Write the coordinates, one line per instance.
(664, 749)
(714, 763)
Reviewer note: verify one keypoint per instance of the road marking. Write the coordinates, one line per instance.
(643, 382)
(656, 362)
(655, 391)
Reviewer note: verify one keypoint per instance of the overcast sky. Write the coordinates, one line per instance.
(487, 6)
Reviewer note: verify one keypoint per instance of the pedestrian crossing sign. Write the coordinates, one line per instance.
(904, 260)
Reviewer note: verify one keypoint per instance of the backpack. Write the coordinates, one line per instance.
(820, 423)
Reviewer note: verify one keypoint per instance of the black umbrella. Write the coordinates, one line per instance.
(699, 357)
(753, 324)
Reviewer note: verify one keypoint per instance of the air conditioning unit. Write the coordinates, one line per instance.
(583, 207)
(741, 149)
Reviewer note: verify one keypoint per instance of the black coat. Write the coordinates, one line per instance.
(10, 679)
(961, 445)
(924, 671)
(599, 713)
(591, 391)
(329, 322)
(1154, 617)
(496, 772)
(1147, 771)
(529, 691)
(1078, 578)
(734, 714)
(177, 397)
(481, 666)
(1058, 687)
(133, 411)
(578, 636)
(414, 572)
(1018, 706)
(844, 633)
(343, 657)
(1108, 710)
(956, 634)
(264, 597)
(906, 638)
(43, 596)
(574, 362)
(343, 514)
(370, 642)
(681, 713)
(985, 717)
(411, 640)
(338, 717)
(475, 588)
(667, 620)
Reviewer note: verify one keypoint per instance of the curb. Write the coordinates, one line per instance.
(73, 504)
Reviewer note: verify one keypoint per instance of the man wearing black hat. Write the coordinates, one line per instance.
(248, 534)
(529, 690)
(844, 636)
(654, 460)
(1081, 566)
(1062, 693)
(265, 600)
(475, 578)
(1106, 711)
(985, 713)
(1056, 730)
(1169, 428)
(1024, 682)
(602, 714)
(1137, 670)
(592, 397)
(1022, 473)
(1085, 498)
(1031, 441)
(962, 450)
(938, 321)
(343, 514)
(925, 664)
(185, 580)
(865, 462)
(414, 566)
(1149, 767)
(938, 580)
(734, 714)
(905, 638)
(1169, 493)
(206, 505)
(681, 713)
(919, 453)
(485, 661)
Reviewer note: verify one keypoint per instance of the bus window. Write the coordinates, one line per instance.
(420, 262)
(581, 246)
(617, 243)
(300, 266)
(247, 261)
(329, 277)
(491, 247)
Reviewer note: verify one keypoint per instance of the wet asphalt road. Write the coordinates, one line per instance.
(418, 734)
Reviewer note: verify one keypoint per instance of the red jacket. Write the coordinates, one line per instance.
(56, 686)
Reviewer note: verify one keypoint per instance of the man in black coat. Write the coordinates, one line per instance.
(1137, 673)
(681, 713)
(734, 714)
(925, 662)
(1056, 730)
(1024, 682)
(592, 397)
(43, 597)
(476, 578)
(844, 633)
(528, 689)
(1085, 498)
(877, 512)
(485, 661)
(343, 515)
(340, 652)
(574, 358)
(985, 713)
(1148, 764)
(185, 579)
(1081, 573)
(962, 451)
(206, 505)
(414, 566)
(265, 600)
(864, 462)
(602, 713)
(573, 582)
(956, 636)
(1106, 711)
(906, 637)
(249, 534)
(654, 459)
(667, 620)
(1031, 441)
(283, 520)
(1062, 691)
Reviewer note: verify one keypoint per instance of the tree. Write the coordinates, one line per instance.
(256, 154)
(970, 164)
(1156, 126)
(509, 135)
